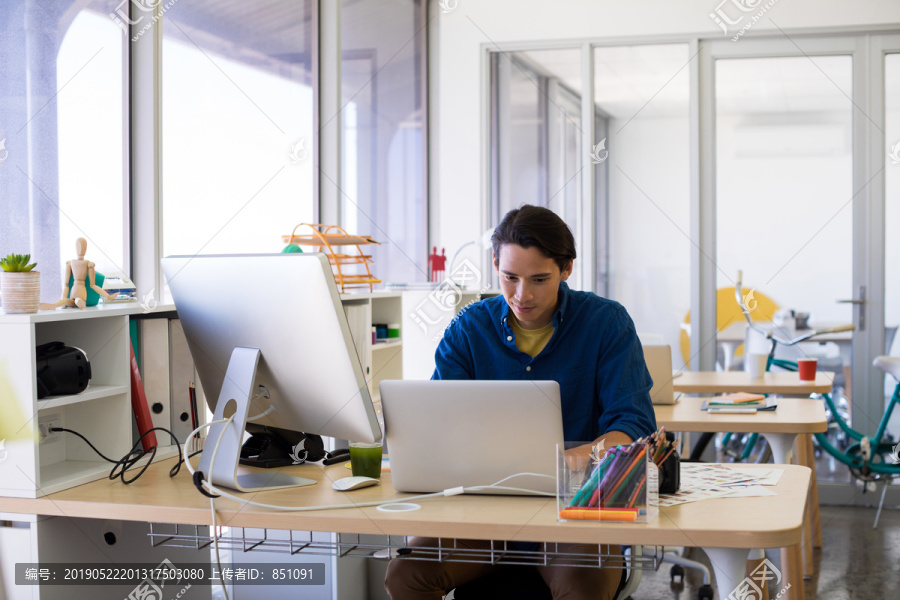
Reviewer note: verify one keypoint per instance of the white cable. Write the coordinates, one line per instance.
(478, 488)
(496, 485)
(522, 474)
(194, 433)
(190, 436)
(212, 507)
(269, 410)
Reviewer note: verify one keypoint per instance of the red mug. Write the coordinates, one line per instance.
(806, 367)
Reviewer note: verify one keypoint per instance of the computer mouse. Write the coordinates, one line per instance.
(353, 483)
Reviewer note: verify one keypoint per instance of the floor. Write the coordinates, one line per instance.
(855, 562)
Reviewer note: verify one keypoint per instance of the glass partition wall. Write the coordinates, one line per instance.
(540, 148)
(383, 149)
(710, 157)
(538, 139)
(643, 94)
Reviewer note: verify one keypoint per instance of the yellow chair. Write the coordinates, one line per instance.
(728, 311)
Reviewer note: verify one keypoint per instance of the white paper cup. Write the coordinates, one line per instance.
(756, 364)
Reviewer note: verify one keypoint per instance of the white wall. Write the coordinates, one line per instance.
(458, 162)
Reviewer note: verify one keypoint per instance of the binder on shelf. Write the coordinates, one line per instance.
(155, 370)
(140, 407)
(361, 332)
(181, 378)
(202, 411)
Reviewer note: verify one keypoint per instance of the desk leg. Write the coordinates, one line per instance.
(782, 446)
(729, 565)
(814, 492)
(792, 572)
(801, 457)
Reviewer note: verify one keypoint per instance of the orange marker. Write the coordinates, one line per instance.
(598, 515)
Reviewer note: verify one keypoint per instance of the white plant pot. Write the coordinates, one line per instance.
(21, 292)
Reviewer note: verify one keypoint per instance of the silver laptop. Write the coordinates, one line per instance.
(659, 363)
(444, 434)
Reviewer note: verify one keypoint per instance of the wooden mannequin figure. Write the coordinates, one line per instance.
(80, 270)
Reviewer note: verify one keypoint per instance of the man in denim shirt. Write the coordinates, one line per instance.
(542, 330)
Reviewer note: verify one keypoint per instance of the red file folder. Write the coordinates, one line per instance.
(139, 405)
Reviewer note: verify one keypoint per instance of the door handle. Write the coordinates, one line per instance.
(859, 302)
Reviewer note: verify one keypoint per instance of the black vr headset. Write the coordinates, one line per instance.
(61, 370)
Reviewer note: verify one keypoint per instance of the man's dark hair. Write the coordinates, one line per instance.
(534, 226)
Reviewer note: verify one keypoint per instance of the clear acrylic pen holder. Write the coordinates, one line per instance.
(621, 485)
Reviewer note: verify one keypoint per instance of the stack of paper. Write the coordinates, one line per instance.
(700, 481)
(739, 402)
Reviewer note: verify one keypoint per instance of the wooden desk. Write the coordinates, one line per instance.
(765, 522)
(793, 417)
(780, 427)
(724, 382)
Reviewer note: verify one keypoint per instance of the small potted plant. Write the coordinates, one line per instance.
(20, 286)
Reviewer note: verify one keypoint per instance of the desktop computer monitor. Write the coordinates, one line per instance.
(267, 331)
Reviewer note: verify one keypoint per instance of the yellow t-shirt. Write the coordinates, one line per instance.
(531, 341)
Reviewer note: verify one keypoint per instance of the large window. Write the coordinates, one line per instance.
(237, 116)
(63, 166)
(383, 191)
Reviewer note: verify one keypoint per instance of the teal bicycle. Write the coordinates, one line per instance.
(869, 459)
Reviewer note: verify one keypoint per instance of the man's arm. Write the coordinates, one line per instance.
(453, 357)
(624, 383)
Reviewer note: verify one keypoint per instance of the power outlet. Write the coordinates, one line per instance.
(45, 424)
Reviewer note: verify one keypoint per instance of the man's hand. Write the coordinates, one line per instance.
(584, 457)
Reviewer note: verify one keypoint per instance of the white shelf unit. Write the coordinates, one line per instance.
(382, 360)
(426, 314)
(34, 467)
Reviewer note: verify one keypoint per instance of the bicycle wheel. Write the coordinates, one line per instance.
(737, 449)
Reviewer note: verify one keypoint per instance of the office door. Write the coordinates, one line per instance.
(786, 124)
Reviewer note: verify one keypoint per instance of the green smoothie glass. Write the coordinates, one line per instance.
(365, 459)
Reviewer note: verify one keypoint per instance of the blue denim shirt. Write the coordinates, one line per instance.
(594, 355)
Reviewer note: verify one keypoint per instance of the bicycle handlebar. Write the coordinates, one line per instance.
(742, 302)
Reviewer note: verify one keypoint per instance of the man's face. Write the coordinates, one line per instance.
(530, 283)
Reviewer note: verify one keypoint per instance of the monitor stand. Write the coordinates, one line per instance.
(238, 389)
